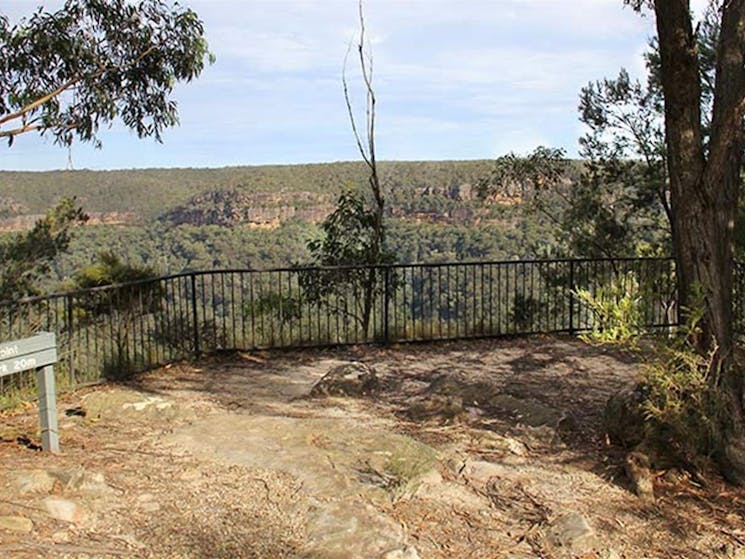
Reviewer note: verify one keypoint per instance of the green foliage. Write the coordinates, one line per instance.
(27, 257)
(616, 310)
(525, 310)
(121, 60)
(525, 176)
(111, 270)
(140, 296)
(350, 238)
(120, 309)
(177, 332)
(271, 313)
(683, 406)
(348, 234)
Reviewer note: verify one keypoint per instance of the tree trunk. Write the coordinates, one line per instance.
(704, 187)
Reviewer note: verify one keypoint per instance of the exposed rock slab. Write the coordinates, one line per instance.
(16, 524)
(120, 403)
(343, 466)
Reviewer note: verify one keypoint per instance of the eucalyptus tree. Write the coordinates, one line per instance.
(66, 73)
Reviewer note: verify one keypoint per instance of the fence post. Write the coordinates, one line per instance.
(70, 336)
(571, 297)
(386, 304)
(194, 318)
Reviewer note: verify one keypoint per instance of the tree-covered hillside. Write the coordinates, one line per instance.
(239, 217)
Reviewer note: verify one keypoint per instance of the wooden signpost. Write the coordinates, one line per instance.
(37, 352)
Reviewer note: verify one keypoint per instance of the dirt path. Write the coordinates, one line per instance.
(484, 449)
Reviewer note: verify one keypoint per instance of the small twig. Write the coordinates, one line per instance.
(19, 505)
(137, 451)
(64, 548)
(734, 536)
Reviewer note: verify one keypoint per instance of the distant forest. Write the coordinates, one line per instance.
(258, 217)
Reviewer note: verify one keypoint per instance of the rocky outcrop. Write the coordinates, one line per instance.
(255, 210)
(27, 221)
(350, 379)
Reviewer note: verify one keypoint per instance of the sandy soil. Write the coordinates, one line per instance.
(229, 457)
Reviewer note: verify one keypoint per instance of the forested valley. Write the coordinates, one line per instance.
(173, 220)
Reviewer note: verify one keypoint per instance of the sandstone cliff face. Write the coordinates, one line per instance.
(27, 221)
(234, 208)
(255, 210)
(10, 207)
(231, 208)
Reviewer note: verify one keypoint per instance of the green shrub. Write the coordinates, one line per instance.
(682, 408)
(616, 310)
(677, 401)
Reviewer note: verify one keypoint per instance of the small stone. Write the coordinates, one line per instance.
(62, 536)
(64, 509)
(150, 507)
(637, 468)
(455, 464)
(32, 481)
(16, 524)
(406, 552)
(189, 475)
(572, 531)
(428, 482)
(479, 472)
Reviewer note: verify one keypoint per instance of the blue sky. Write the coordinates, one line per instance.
(464, 79)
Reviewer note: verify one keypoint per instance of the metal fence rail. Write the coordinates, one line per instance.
(112, 331)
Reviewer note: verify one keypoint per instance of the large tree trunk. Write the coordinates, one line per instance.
(704, 186)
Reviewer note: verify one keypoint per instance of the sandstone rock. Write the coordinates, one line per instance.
(448, 409)
(341, 530)
(147, 503)
(32, 481)
(79, 480)
(494, 442)
(406, 552)
(63, 536)
(623, 419)
(479, 472)
(64, 509)
(16, 524)
(350, 379)
(637, 468)
(527, 411)
(123, 404)
(572, 531)
(462, 387)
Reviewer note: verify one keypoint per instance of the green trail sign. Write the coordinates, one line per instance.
(37, 352)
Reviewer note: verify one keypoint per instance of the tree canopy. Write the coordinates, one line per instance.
(67, 73)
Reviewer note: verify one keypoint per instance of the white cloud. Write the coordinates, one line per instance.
(454, 79)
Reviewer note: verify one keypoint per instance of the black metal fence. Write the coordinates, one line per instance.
(111, 331)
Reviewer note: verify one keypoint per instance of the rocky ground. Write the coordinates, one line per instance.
(483, 449)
